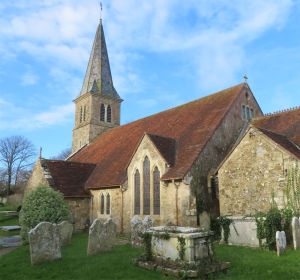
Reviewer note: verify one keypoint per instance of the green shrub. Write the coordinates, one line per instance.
(43, 204)
(272, 224)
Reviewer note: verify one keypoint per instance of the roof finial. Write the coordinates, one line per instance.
(100, 11)
(245, 78)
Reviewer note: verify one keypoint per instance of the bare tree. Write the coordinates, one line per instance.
(16, 153)
(63, 154)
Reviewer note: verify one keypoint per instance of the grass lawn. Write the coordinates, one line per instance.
(246, 264)
(75, 264)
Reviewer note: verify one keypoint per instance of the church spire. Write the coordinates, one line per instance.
(98, 77)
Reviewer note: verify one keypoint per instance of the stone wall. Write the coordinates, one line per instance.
(37, 177)
(80, 212)
(79, 207)
(252, 173)
(230, 130)
(86, 131)
(243, 231)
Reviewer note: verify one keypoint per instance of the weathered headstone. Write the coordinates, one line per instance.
(102, 236)
(44, 243)
(138, 227)
(296, 232)
(65, 230)
(280, 242)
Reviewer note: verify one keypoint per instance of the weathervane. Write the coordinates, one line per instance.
(245, 78)
(100, 11)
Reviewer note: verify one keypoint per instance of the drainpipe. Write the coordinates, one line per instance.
(176, 200)
(122, 210)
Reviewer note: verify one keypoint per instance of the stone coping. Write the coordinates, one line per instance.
(187, 232)
(241, 218)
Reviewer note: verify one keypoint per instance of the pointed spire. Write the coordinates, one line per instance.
(98, 77)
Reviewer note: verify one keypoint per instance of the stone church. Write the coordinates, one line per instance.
(143, 167)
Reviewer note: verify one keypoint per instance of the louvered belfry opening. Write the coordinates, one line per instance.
(137, 193)
(156, 191)
(146, 186)
(102, 113)
(108, 114)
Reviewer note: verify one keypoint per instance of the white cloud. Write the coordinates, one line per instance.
(29, 79)
(210, 36)
(22, 119)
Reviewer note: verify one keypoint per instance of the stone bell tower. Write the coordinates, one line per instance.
(98, 105)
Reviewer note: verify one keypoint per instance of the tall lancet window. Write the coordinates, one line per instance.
(84, 113)
(108, 114)
(146, 186)
(102, 113)
(80, 115)
(102, 204)
(156, 191)
(137, 193)
(108, 204)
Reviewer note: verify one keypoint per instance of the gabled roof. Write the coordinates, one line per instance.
(191, 125)
(286, 123)
(98, 77)
(283, 141)
(166, 147)
(68, 177)
(283, 128)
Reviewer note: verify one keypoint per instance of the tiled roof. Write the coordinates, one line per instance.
(286, 123)
(166, 146)
(68, 177)
(191, 125)
(283, 141)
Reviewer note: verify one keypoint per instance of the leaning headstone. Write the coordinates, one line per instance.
(102, 235)
(296, 232)
(44, 243)
(65, 230)
(136, 231)
(280, 242)
(138, 228)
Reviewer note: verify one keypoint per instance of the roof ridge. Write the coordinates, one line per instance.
(173, 108)
(278, 112)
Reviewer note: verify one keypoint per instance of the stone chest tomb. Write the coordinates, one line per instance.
(181, 243)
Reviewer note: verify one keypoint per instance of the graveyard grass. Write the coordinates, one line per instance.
(246, 263)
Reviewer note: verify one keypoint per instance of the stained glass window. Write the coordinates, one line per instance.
(137, 193)
(108, 113)
(146, 186)
(102, 113)
(102, 204)
(156, 191)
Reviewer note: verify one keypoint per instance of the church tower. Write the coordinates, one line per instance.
(98, 105)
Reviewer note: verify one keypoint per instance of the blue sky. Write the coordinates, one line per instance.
(162, 53)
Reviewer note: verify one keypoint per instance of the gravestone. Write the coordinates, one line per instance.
(44, 243)
(102, 235)
(138, 228)
(65, 230)
(280, 242)
(296, 232)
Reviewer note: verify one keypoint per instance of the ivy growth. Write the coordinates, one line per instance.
(292, 191)
(147, 237)
(225, 222)
(181, 247)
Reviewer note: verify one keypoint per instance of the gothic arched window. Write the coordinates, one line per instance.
(108, 114)
(156, 191)
(146, 186)
(102, 204)
(137, 193)
(84, 113)
(102, 113)
(108, 204)
(80, 115)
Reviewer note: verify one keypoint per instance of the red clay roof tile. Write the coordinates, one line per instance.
(191, 125)
(68, 177)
